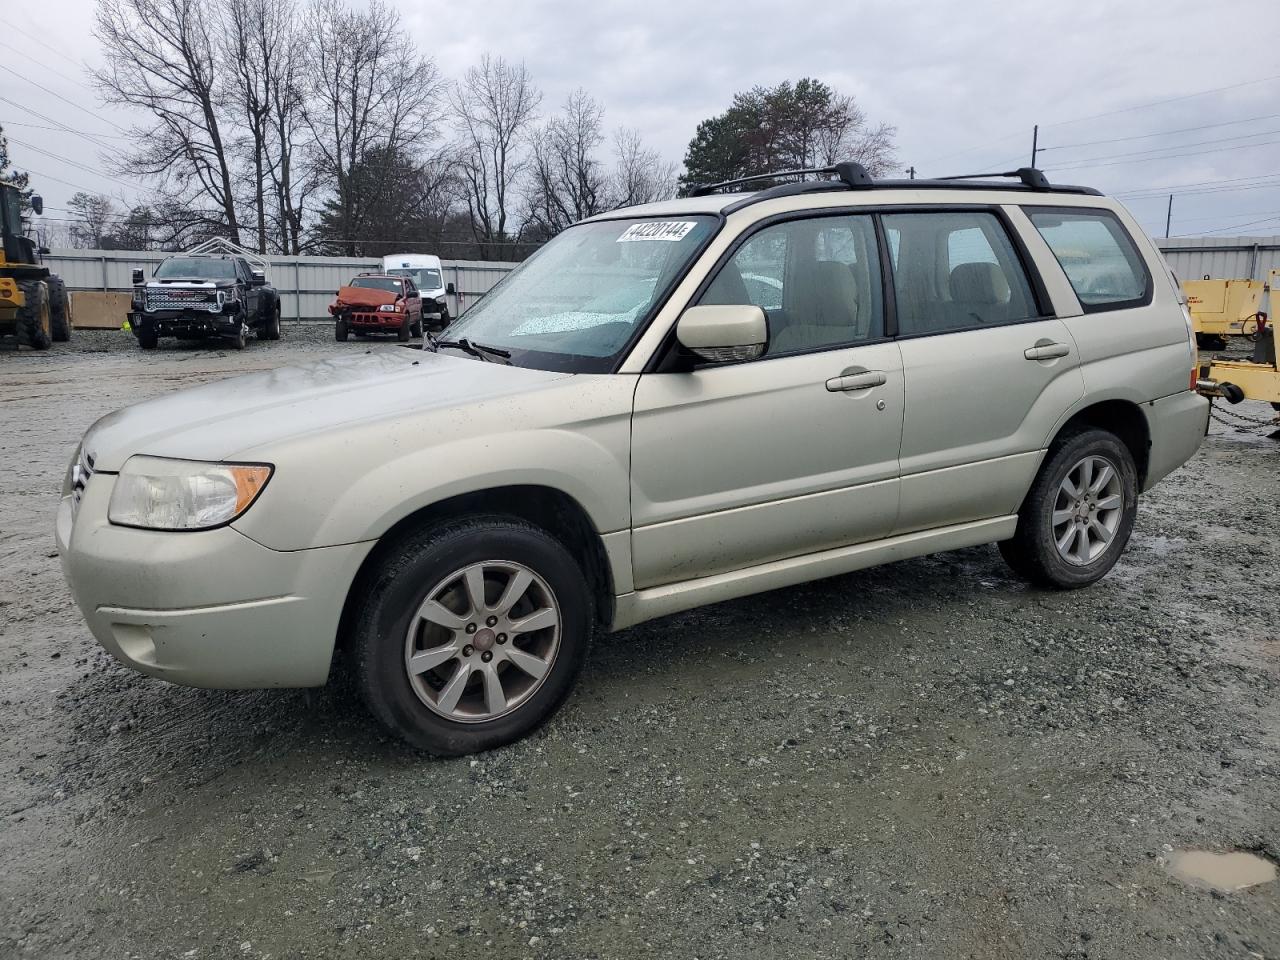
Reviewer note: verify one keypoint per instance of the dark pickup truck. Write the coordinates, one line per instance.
(193, 297)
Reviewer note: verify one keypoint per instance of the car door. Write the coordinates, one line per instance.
(413, 301)
(794, 452)
(989, 371)
(252, 294)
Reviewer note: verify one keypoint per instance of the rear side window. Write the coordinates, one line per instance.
(1097, 255)
(954, 270)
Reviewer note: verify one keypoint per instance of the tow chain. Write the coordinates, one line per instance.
(1220, 413)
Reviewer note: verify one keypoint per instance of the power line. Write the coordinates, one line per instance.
(1162, 133)
(1172, 156)
(59, 96)
(1160, 103)
(1264, 181)
(45, 66)
(91, 138)
(1234, 226)
(135, 185)
(35, 39)
(1174, 146)
(37, 126)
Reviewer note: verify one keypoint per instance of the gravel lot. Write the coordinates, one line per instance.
(929, 759)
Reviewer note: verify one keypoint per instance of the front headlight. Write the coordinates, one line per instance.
(156, 493)
(388, 308)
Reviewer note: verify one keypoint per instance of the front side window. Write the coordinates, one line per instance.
(817, 281)
(1096, 254)
(954, 270)
(577, 302)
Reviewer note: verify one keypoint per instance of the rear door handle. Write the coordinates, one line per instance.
(1046, 350)
(857, 381)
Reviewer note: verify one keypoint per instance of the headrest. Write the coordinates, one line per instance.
(830, 294)
(979, 283)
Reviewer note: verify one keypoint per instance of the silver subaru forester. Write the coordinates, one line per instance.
(668, 406)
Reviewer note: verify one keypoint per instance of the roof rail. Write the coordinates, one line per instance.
(1031, 178)
(851, 174)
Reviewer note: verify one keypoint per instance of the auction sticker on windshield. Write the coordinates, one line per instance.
(657, 230)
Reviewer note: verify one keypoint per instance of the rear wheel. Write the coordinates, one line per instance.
(472, 634)
(35, 325)
(270, 329)
(59, 309)
(1077, 518)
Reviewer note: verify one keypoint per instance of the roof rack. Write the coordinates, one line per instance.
(1031, 178)
(852, 175)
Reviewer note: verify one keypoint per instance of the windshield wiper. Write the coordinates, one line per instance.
(477, 350)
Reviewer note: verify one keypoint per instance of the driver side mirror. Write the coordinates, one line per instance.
(138, 277)
(721, 333)
(449, 289)
(37, 204)
(257, 279)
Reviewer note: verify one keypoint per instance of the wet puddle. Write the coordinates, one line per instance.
(1226, 872)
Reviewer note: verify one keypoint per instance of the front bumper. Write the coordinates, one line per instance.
(184, 324)
(206, 609)
(376, 320)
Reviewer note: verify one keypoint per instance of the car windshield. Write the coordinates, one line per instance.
(425, 278)
(196, 268)
(377, 283)
(576, 304)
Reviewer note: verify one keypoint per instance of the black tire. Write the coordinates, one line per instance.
(444, 318)
(340, 331)
(34, 323)
(416, 329)
(270, 326)
(59, 309)
(404, 576)
(405, 332)
(239, 341)
(1033, 551)
(148, 339)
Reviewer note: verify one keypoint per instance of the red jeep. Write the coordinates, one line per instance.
(378, 303)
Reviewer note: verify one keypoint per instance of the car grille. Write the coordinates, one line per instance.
(80, 475)
(183, 300)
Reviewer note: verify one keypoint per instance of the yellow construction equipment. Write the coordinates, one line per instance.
(1234, 378)
(1223, 308)
(33, 302)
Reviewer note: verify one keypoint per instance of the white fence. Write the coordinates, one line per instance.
(306, 284)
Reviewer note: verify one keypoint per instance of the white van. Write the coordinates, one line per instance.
(427, 274)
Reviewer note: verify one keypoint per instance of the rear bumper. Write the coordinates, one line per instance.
(205, 609)
(1177, 424)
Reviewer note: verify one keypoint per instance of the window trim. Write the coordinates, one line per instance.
(1102, 213)
(662, 359)
(1039, 291)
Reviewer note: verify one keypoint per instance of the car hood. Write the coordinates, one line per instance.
(365, 297)
(220, 420)
(188, 282)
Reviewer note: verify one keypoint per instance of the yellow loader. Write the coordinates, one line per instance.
(33, 302)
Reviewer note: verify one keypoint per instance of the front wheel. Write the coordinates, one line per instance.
(340, 331)
(472, 634)
(270, 328)
(1076, 520)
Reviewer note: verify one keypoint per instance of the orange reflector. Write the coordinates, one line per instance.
(249, 483)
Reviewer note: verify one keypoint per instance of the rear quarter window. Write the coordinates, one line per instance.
(1097, 255)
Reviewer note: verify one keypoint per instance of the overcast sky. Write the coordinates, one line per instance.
(963, 82)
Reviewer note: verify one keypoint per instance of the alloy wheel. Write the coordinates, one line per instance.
(483, 641)
(1087, 510)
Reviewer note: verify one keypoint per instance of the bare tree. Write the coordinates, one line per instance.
(495, 104)
(567, 181)
(260, 45)
(369, 91)
(94, 214)
(161, 57)
(640, 175)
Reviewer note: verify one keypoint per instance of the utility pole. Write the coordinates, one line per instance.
(911, 172)
(1035, 143)
(1168, 217)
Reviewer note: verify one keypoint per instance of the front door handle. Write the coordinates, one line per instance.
(1046, 350)
(860, 380)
